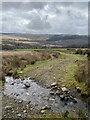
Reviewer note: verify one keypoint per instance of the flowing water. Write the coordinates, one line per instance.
(38, 96)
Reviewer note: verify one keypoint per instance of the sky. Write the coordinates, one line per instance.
(45, 17)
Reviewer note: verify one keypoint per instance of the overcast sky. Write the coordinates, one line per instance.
(45, 17)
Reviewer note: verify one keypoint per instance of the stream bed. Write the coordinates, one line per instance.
(39, 96)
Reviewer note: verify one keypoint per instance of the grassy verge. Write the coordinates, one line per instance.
(65, 75)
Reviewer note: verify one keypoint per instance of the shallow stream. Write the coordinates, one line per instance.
(38, 96)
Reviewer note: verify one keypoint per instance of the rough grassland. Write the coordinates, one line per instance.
(61, 70)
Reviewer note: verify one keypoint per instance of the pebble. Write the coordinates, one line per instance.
(51, 99)
(45, 107)
(66, 98)
(13, 111)
(53, 84)
(8, 107)
(27, 94)
(78, 89)
(66, 103)
(31, 109)
(27, 84)
(42, 111)
(51, 93)
(62, 97)
(74, 100)
(17, 94)
(12, 83)
(24, 111)
(19, 115)
(28, 102)
(57, 92)
(64, 89)
(20, 101)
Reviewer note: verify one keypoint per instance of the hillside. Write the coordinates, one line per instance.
(24, 41)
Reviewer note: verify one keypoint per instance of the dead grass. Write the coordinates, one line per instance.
(82, 72)
(14, 60)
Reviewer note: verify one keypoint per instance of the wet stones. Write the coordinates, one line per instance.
(12, 83)
(45, 107)
(8, 107)
(19, 115)
(43, 111)
(20, 101)
(74, 100)
(54, 88)
(64, 89)
(78, 89)
(57, 92)
(51, 93)
(24, 111)
(54, 84)
(27, 84)
(63, 93)
(66, 99)
(62, 97)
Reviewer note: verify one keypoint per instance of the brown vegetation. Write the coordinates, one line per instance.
(14, 60)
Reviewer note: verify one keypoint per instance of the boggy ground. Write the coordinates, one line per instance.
(60, 69)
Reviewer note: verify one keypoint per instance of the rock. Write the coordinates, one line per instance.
(66, 103)
(74, 100)
(53, 84)
(66, 99)
(57, 92)
(42, 111)
(17, 94)
(8, 107)
(51, 93)
(27, 94)
(19, 115)
(46, 107)
(51, 99)
(27, 84)
(31, 109)
(62, 97)
(12, 83)
(22, 79)
(54, 88)
(71, 97)
(20, 101)
(78, 89)
(10, 73)
(28, 102)
(24, 111)
(71, 103)
(21, 72)
(64, 89)
(13, 111)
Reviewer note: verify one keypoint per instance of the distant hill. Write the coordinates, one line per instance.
(70, 40)
(67, 37)
(19, 40)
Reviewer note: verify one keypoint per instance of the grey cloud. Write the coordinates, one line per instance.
(45, 17)
(22, 5)
(37, 23)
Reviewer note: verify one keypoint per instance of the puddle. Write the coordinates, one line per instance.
(38, 95)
